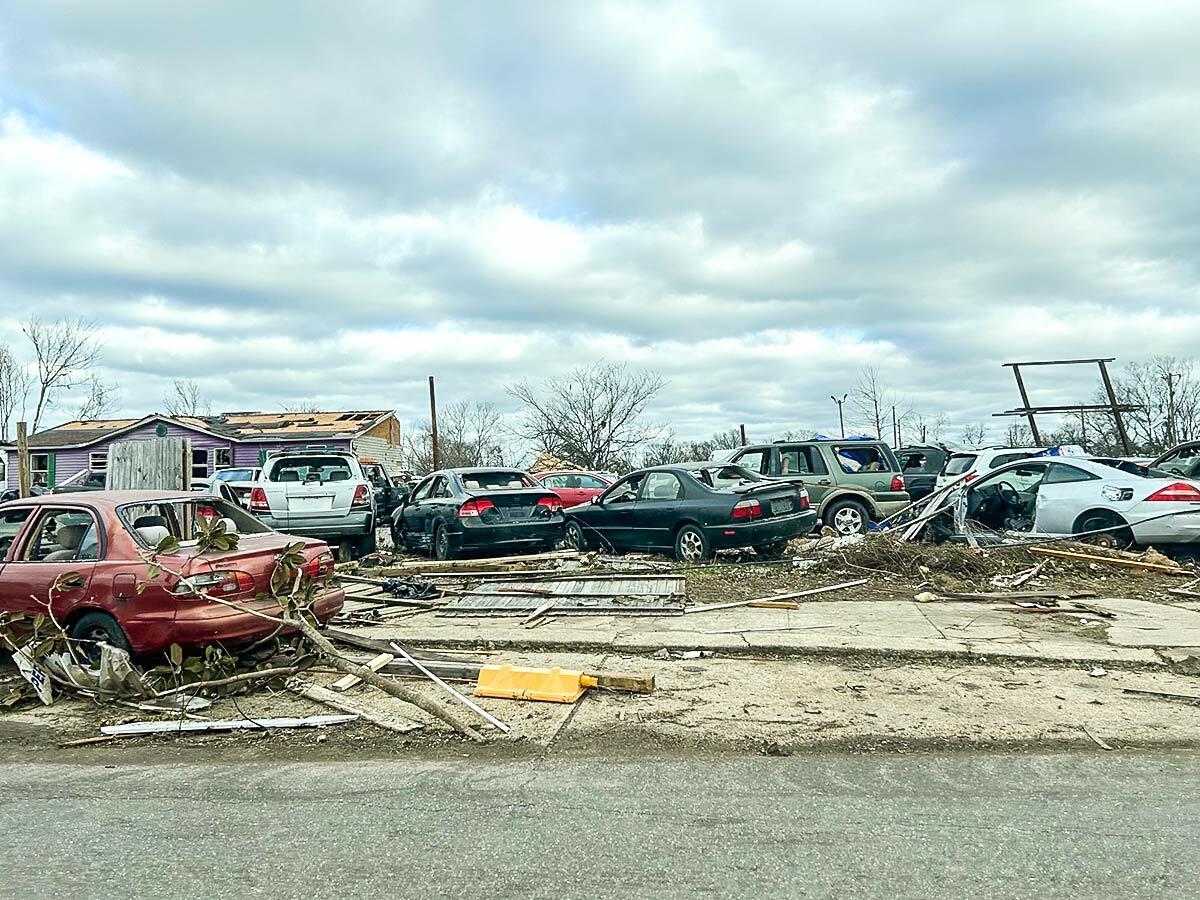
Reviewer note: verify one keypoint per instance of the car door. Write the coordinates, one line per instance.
(656, 510)
(864, 466)
(611, 519)
(756, 459)
(810, 467)
(415, 514)
(1065, 492)
(55, 542)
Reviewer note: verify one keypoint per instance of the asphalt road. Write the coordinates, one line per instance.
(969, 825)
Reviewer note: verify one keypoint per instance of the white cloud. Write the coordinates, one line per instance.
(756, 203)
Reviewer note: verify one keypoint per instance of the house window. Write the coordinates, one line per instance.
(98, 461)
(199, 463)
(40, 471)
(221, 458)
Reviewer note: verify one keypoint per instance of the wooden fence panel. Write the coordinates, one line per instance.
(159, 464)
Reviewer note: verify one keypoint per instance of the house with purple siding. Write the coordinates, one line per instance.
(229, 440)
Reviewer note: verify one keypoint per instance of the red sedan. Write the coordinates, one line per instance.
(99, 538)
(575, 488)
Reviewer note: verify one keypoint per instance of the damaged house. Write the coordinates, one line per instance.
(228, 440)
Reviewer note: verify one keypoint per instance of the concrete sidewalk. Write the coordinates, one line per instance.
(899, 628)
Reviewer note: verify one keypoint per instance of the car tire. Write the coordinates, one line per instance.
(773, 550)
(691, 545)
(847, 517)
(1120, 539)
(574, 537)
(443, 550)
(93, 628)
(367, 544)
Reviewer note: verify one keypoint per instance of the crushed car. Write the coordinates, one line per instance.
(692, 510)
(102, 540)
(1110, 502)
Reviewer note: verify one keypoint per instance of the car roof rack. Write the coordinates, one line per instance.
(309, 448)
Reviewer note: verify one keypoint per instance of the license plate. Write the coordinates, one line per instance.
(310, 504)
(778, 507)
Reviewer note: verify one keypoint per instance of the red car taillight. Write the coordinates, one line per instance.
(1179, 492)
(554, 504)
(362, 496)
(804, 499)
(220, 584)
(258, 500)
(897, 483)
(320, 566)
(473, 509)
(747, 509)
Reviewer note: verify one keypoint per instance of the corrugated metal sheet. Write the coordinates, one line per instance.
(579, 596)
(378, 448)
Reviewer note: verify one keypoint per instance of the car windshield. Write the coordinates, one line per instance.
(150, 522)
(722, 478)
(312, 469)
(960, 463)
(496, 480)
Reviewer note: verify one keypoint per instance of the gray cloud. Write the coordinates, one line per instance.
(292, 201)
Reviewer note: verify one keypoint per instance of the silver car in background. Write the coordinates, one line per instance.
(1062, 496)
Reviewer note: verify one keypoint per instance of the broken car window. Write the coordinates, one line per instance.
(754, 460)
(662, 486)
(724, 478)
(862, 459)
(64, 535)
(149, 523)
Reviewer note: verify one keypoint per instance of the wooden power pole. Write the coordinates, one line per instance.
(22, 460)
(433, 426)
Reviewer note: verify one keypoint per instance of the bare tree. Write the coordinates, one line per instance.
(101, 400)
(928, 430)
(65, 352)
(1018, 434)
(469, 434)
(186, 399)
(875, 404)
(974, 435)
(302, 406)
(593, 416)
(15, 382)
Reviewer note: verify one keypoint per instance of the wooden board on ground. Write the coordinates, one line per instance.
(1167, 569)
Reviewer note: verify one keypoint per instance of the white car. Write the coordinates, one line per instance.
(971, 464)
(316, 493)
(1061, 496)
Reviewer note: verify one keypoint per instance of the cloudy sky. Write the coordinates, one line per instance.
(329, 202)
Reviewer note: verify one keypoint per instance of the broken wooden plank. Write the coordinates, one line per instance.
(491, 561)
(773, 604)
(631, 684)
(538, 613)
(326, 697)
(777, 597)
(348, 681)
(132, 729)
(1109, 560)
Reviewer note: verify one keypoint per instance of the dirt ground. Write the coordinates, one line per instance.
(701, 704)
(713, 703)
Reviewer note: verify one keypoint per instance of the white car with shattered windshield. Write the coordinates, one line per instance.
(1116, 503)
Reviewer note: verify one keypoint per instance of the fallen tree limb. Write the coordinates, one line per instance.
(775, 598)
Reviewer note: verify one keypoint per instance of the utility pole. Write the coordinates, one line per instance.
(433, 426)
(22, 460)
(1171, 379)
(841, 417)
(895, 429)
(742, 432)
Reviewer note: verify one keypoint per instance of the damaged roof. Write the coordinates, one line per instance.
(249, 427)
